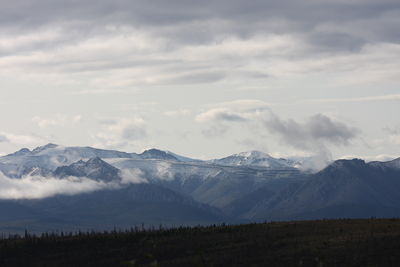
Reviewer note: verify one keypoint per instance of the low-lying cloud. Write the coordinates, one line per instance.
(37, 187)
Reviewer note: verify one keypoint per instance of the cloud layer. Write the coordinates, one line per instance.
(106, 58)
(117, 133)
(36, 187)
(317, 130)
(314, 136)
(141, 43)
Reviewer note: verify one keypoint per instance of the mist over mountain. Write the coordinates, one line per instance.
(71, 187)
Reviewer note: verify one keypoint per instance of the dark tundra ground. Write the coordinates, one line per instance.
(369, 242)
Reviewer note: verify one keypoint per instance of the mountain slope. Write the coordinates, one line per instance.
(157, 154)
(208, 183)
(124, 207)
(346, 188)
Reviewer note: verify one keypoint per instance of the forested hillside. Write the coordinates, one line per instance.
(369, 242)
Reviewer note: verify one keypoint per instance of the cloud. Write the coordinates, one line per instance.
(234, 111)
(36, 187)
(210, 18)
(317, 131)
(195, 77)
(393, 135)
(132, 176)
(220, 117)
(120, 133)
(244, 104)
(393, 97)
(163, 170)
(381, 157)
(220, 114)
(164, 49)
(125, 43)
(394, 130)
(316, 136)
(215, 130)
(177, 113)
(43, 123)
(21, 139)
(3, 138)
(56, 120)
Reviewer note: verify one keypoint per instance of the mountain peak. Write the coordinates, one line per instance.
(95, 160)
(345, 164)
(153, 150)
(254, 154)
(255, 158)
(21, 152)
(157, 154)
(348, 163)
(395, 164)
(43, 148)
(94, 168)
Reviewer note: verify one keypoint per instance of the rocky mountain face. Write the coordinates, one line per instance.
(160, 186)
(94, 168)
(156, 154)
(346, 188)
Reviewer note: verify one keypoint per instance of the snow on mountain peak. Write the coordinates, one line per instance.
(21, 152)
(43, 148)
(396, 163)
(255, 158)
(254, 154)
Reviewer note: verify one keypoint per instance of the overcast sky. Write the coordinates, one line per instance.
(202, 78)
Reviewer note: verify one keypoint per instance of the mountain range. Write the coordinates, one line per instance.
(101, 189)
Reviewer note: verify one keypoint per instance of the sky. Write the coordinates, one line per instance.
(204, 79)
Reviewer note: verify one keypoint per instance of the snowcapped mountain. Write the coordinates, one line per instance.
(256, 158)
(51, 156)
(94, 168)
(182, 158)
(157, 154)
(245, 186)
(389, 164)
(70, 152)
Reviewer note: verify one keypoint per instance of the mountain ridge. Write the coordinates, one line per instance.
(248, 186)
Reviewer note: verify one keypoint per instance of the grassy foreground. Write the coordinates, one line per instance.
(369, 242)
